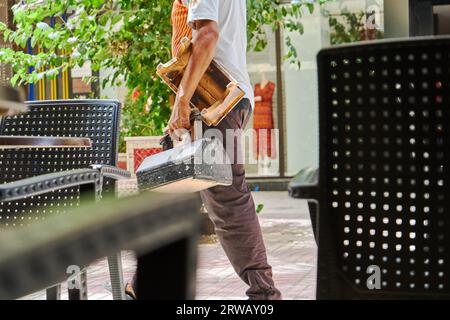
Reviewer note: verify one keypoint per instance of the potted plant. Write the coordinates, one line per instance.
(351, 27)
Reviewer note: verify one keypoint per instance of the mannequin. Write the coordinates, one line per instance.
(264, 80)
(264, 142)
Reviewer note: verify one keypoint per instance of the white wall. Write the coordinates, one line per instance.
(301, 87)
(109, 92)
(443, 13)
(396, 18)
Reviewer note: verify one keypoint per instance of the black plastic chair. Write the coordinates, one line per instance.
(383, 227)
(304, 185)
(94, 119)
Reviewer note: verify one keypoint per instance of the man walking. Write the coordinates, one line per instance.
(220, 33)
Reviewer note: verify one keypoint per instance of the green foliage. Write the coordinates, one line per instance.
(130, 37)
(259, 208)
(351, 28)
(270, 13)
(138, 120)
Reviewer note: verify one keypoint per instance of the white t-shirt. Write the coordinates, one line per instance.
(231, 50)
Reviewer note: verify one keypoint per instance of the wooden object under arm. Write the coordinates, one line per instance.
(217, 93)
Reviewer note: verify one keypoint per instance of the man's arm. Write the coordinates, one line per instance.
(203, 49)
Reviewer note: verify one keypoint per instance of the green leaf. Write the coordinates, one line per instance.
(6, 34)
(42, 25)
(259, 208)
(14, 79)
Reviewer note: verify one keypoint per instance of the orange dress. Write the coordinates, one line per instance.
(263, 119)
(180, 27)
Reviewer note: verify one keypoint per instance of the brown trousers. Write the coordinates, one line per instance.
(232, 210)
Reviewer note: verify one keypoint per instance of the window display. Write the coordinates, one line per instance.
(262, 136)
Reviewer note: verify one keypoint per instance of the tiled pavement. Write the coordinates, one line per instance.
(291, 249)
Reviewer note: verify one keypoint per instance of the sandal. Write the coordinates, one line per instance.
(129, 291)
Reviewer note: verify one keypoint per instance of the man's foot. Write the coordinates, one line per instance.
(129, 291)
(271, 295)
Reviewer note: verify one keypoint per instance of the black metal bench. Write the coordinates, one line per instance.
(97, 120)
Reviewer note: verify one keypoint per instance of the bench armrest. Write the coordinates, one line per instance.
(48, 182)
(112, 172)
(305, 184)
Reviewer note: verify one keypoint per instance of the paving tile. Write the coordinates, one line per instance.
(291, 249)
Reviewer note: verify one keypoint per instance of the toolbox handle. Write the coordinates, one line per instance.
(166, 141)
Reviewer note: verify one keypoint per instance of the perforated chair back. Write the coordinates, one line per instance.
(384, 176)
(94, 119)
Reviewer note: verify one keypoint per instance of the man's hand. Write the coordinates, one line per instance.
(180, 118)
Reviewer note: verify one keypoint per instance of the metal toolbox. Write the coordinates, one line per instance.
(187, 168)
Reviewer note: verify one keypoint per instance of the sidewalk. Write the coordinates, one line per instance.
(291, 249)
(289, 241)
